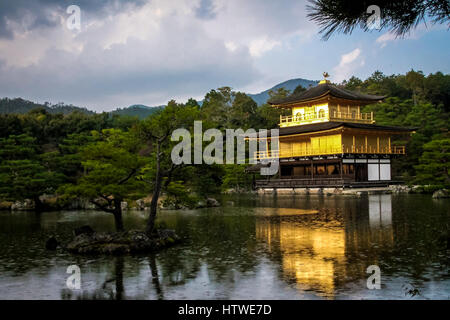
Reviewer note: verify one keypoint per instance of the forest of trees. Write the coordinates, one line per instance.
(110, 158)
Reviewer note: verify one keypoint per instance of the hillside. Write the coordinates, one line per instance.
(137, 110)
(21, 106)
(262, 97)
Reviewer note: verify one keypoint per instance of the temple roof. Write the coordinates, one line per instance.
(322, 126)
(323, 89)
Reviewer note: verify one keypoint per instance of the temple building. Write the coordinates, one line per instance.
(327, 141)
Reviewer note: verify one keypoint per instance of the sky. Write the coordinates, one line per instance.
(151, 51)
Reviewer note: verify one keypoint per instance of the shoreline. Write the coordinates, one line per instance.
(51, 202)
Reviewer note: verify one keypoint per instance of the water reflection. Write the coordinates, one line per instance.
(309, 256)
(380, 210)
(313, 244)
(155, 277)
(111, 288)
(259, 248)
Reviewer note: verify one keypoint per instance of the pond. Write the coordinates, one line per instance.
(253, 247)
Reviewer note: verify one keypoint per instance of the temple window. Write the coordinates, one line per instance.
(320, 170)
(321, 113)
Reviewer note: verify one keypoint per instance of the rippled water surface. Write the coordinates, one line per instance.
(303, 247)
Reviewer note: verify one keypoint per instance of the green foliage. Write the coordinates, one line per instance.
(24, 172)
(415, 101)
(244, 112)
(434, 164)
(270, 116)
(278, 94)
(236, 178)
(398, 16)
(136, 112)
(111, 166)
(21, 106)
(178, 195)
(216, 106)
(299, 89)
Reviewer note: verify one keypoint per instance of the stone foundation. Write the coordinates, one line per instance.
(337, 191)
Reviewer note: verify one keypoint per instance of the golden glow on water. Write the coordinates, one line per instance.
(312, 245)
(285, 212)
(309, 255)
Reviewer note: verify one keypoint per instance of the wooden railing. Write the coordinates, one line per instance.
(259, 155)
(375, 150)
(356, 117)
(287, 121)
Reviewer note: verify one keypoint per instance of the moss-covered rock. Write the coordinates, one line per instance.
(126, 242)
(443, 193)
(5, 205)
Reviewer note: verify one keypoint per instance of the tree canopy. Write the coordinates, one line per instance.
(112, 165)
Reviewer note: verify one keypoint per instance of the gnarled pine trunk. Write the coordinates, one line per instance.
(118, 216)
(156, 193)
(38, 205)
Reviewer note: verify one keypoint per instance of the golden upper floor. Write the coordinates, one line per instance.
(322, 113)
(323, 103)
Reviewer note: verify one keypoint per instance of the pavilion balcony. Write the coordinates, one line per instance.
(395, 150)
(314, 117)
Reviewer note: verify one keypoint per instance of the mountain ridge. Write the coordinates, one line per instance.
(262, 97)
(21, 106)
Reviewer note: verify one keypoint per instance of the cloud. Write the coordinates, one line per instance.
(146, 52)
(259, 46)
(385, 38)
(44, 14)
(230, 45)
(348, 64)
(414, 34)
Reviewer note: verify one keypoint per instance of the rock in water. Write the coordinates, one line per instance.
(51, 244)
(443, 193)
(140, 204)
(24, 205)
(83, 230)
(125, 242)
(211, 202)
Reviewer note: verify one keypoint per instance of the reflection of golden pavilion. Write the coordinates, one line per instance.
(315, 267)
(310, 256)
(315, 256)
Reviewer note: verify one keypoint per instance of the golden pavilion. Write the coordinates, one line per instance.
(326, 141)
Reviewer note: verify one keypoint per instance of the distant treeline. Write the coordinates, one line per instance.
(21, 106)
